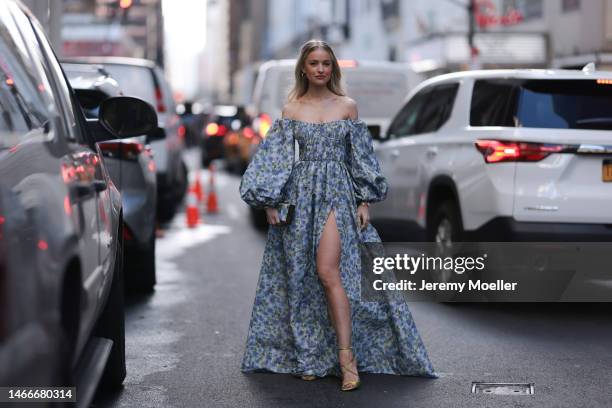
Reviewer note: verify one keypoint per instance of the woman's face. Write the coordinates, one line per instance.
(318, 67)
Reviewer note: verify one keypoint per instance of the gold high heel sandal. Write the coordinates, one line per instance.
(308, 377)
(350, 385)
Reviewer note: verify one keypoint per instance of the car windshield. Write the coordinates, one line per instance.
(134, 81)
(553, 104)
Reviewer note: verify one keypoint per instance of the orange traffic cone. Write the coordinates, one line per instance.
(212, 195)
(198, 187)
(192, 212)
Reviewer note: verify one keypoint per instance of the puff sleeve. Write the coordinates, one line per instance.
(263, 181)
(368, 182)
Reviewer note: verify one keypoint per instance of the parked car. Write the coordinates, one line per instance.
(130, 165)
(143, 79)
(502, 155)
(379, 88)
(61, 277)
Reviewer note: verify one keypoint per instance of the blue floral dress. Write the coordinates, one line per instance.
(290, 330)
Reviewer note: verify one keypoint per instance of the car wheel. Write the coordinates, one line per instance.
(204, 158)
(165, 211)
(446, 230)
(69, 329)
(145, 269)
(111, 324)
(446, 226)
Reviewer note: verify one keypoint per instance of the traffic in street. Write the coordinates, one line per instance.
(271, 203)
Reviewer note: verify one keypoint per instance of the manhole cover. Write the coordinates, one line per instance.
(503, 388)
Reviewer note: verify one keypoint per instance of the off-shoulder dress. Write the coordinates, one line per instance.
(290, 330)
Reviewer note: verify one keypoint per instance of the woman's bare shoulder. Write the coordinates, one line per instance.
(350, 106)
(289, 109)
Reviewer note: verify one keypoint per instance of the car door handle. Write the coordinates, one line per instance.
(395, 153)
(432, 151)
(99, 185)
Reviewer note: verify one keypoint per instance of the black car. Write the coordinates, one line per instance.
(223, 122)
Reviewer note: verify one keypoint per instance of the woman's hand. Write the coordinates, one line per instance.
(363, 215)
(272, 216)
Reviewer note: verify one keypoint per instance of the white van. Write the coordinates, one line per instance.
(378, 87)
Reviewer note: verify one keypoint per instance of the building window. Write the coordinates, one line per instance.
(570, 5)
(533, 9)
(530, 9)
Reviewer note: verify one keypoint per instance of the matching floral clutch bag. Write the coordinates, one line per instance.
(285, 212)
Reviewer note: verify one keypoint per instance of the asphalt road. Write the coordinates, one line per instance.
(185, 341)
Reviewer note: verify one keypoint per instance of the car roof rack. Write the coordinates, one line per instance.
(589, 68)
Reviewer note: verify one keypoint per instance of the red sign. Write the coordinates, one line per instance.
(485, 14)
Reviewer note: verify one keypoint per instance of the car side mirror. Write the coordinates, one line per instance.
(157, 134)
(126, 116)
(375, 132)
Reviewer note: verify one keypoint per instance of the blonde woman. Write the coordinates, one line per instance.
(308, 318)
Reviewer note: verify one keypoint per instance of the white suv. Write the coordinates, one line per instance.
(502, 155)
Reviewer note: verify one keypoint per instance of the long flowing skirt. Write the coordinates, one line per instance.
(290, 330)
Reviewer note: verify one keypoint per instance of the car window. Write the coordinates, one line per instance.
(493, 103)
(166, 90)
(134, 81)
(55, 82)
(405, 121)
(57, 77)
(285, 84)
(24, 111)
(542, 103)
(437, 109)
(565, 104)
(376, 91)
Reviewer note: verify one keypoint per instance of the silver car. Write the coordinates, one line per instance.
(145, 80)
(131, 166)
(61, 238)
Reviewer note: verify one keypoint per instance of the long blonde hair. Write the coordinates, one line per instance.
(301, 81)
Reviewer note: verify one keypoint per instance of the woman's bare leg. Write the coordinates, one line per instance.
(328, 268)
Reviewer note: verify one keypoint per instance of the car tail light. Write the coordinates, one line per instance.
(161, 107)
(496, 151)
(182, 131)
(43, 245)
(213, 129)
(264, 124)
(127, 150)
(248, 132)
